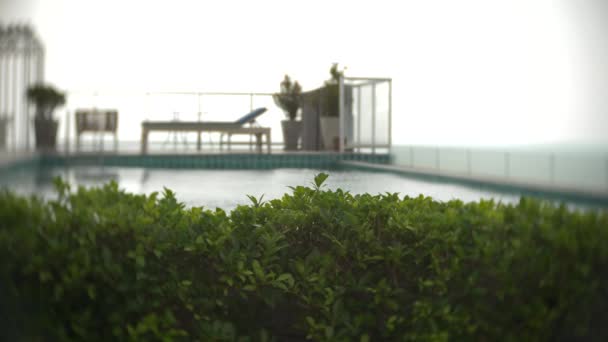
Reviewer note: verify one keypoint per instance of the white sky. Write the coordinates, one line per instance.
(464, 72)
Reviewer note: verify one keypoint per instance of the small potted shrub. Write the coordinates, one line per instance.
(289, 100)
(46, 99)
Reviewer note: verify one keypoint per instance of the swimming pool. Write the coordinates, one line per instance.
(226, 189)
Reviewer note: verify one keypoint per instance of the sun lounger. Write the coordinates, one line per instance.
(229, 128)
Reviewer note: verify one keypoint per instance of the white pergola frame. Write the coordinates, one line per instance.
(365, 81)
(21, 65)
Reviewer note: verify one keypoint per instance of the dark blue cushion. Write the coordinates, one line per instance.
(249, 117)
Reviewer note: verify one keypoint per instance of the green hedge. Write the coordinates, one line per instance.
(100, 264)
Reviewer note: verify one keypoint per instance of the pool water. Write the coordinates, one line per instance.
(228, 188)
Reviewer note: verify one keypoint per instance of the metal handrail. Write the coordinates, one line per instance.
(207, 93)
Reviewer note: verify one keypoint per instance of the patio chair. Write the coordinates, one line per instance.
(98, 122)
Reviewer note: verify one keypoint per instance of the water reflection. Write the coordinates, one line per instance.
(96, 176)
(228, 188)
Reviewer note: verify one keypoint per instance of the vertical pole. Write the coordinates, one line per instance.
(606, 173)
(374, 117)
(25, 105)
(2, 86)
(4, 97)
(250, 110)
(411, 156)
(67, 131)
(469, 165)
(341, 111)
(40, 68)
(390, 113)
(507, 165)
(552, 168)
(437, 157)
(96, 143)
(10, 98)
(146, 106)
(359, 116)
(15, 94)
(144, 134)
(198, 133)
(198, 101)
(3, 115)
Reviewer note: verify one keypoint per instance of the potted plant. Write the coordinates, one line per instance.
(330, 110)
(46, 99)
(289, 100)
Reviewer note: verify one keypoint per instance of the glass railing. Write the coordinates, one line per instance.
(582, 168)
(135, 108)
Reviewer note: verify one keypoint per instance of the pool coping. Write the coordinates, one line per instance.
(192, 161)
(9, 160)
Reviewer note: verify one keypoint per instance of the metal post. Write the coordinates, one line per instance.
(469, 167)
(39, 60)
(507, 164)
(412, 156)
(9, 100)
(25, 105)
(552, 168)
(3, 114)
(14, 95)
(437, 157)
(359, 116)
(4, 95)
(96, 141)
(341, 111)
(2, 86)
(67, 131)
(250, 110)
(146, 106)
(374, 118)
(40, 67)
(198, 134)
(390, 113)
(607, 173)
(198, 99)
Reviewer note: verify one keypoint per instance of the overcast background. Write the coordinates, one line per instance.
(468, 72)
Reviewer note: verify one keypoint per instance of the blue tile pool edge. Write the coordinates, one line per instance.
(216, 161)
(23, 163)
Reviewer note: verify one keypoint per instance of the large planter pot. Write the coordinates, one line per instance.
(46, 134)
(292, 130)
(330, 132)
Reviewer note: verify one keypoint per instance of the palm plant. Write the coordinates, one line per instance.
(289, 99)
(46, 98)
